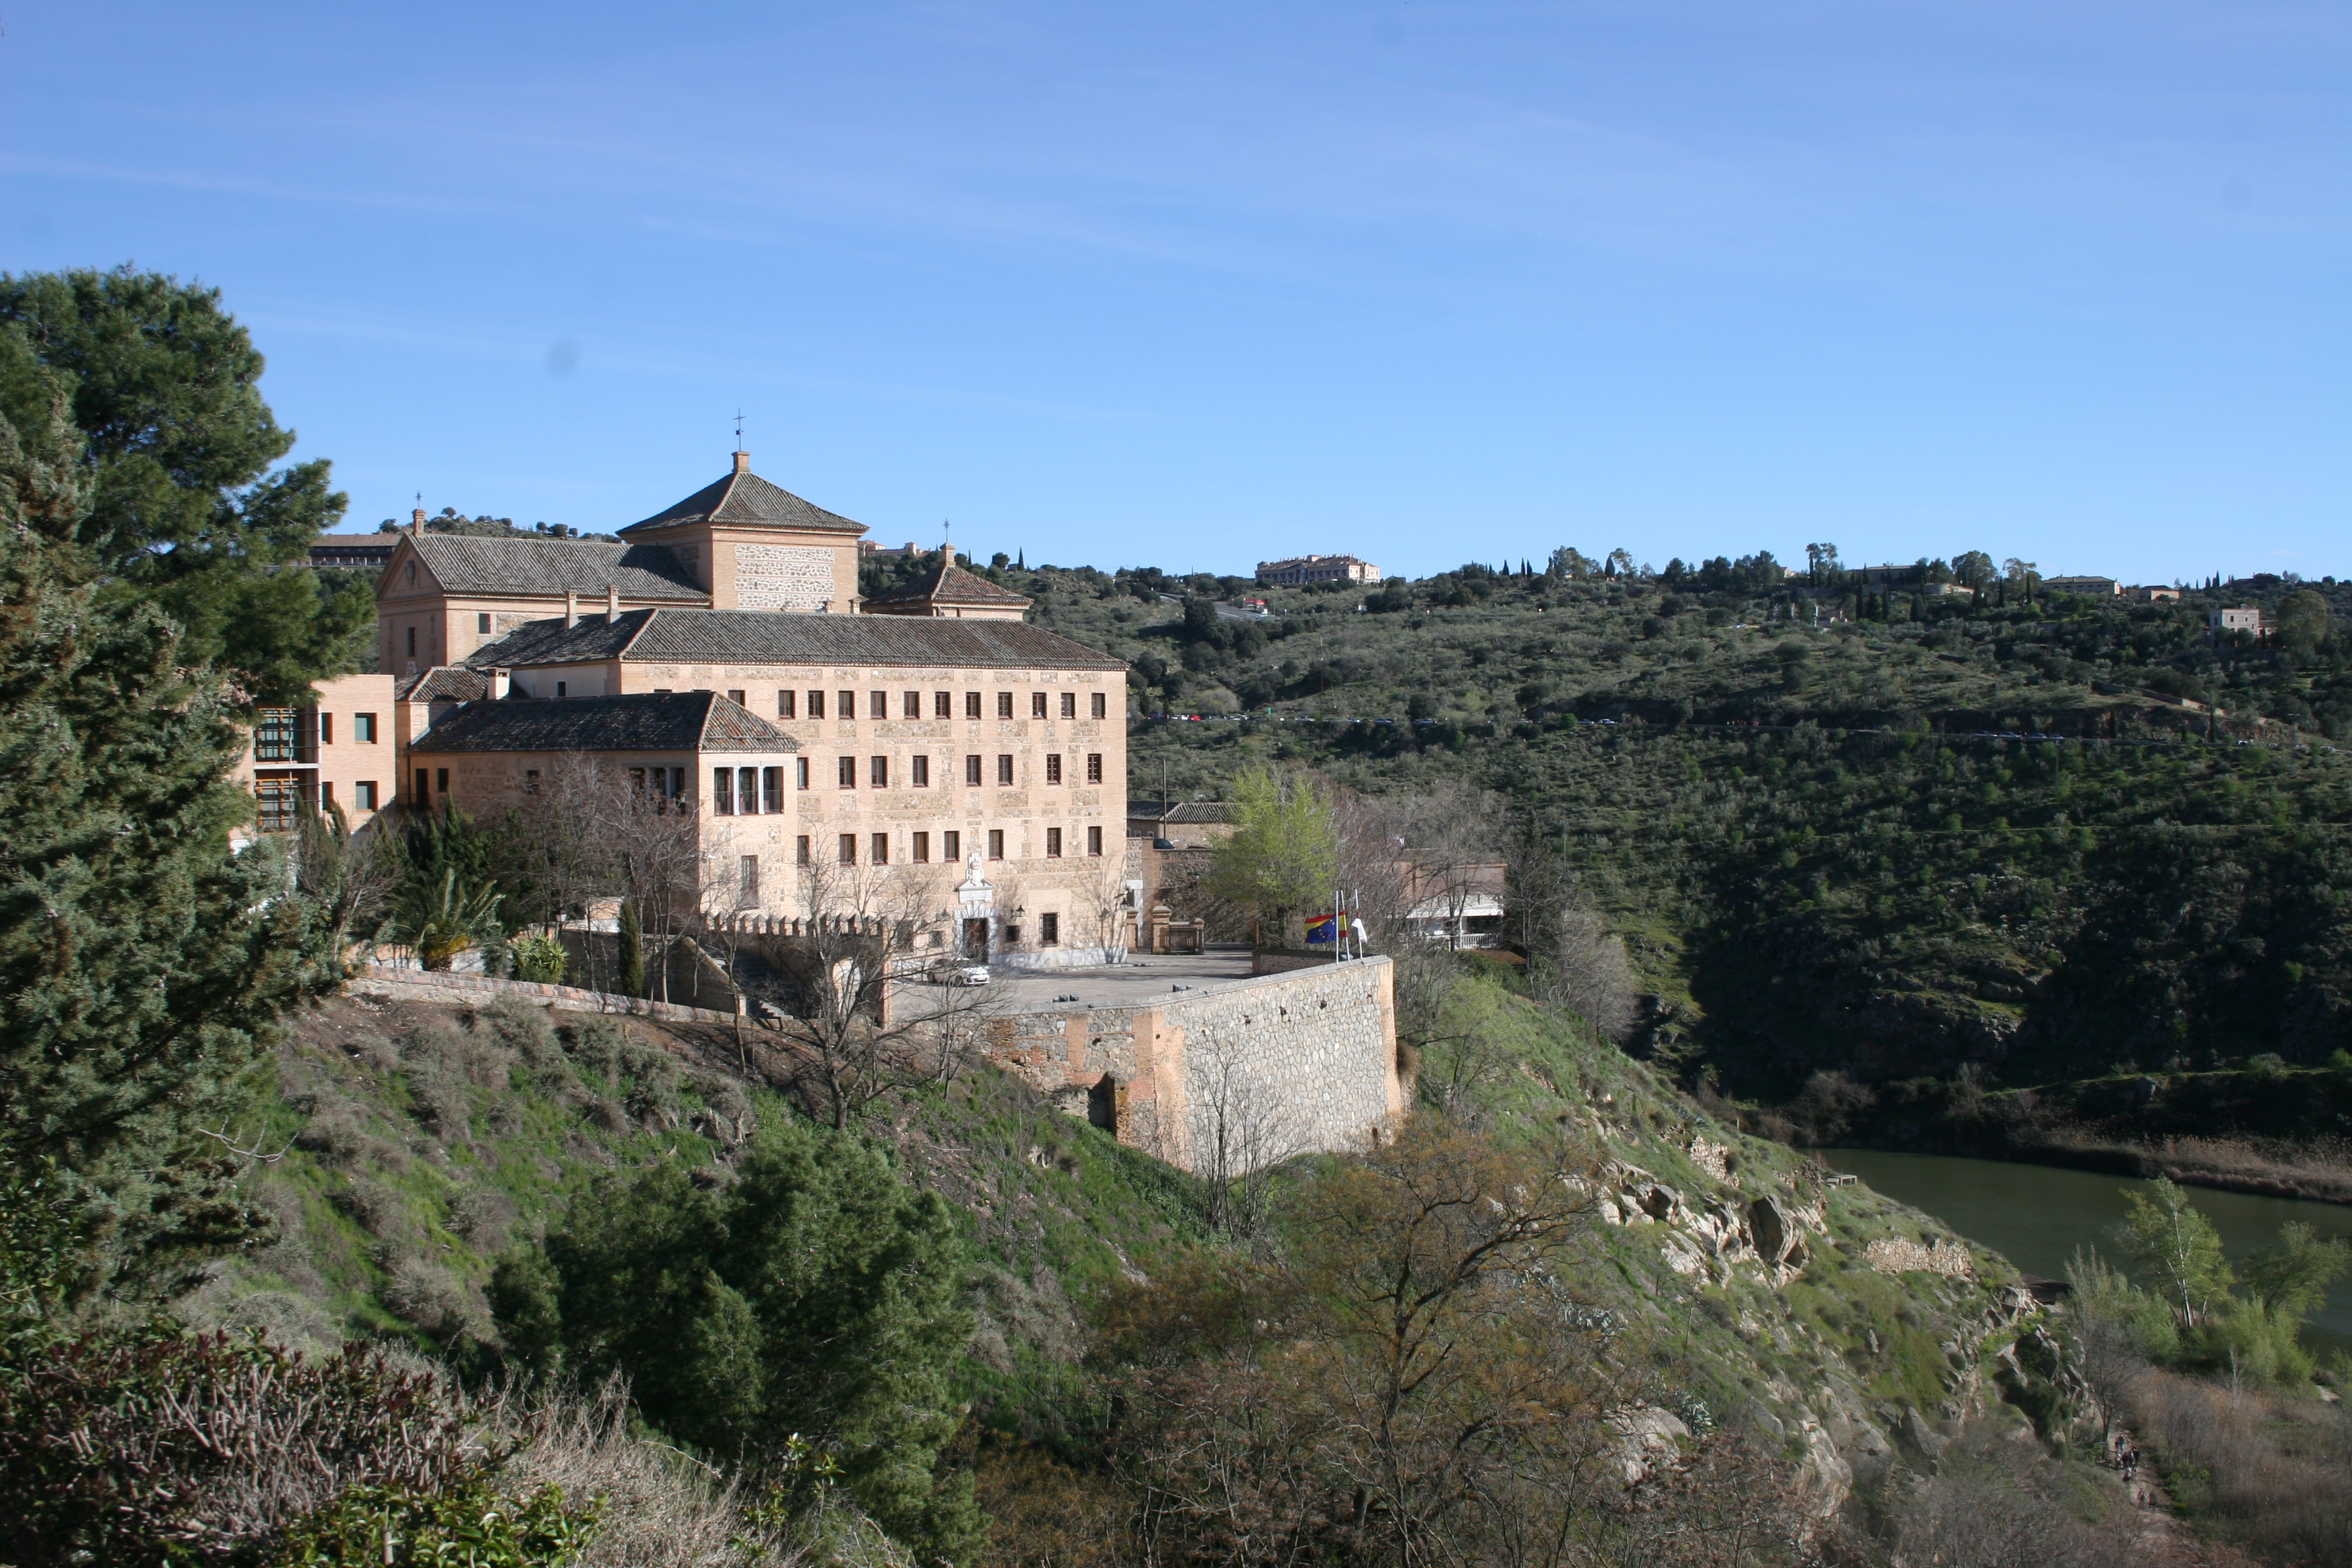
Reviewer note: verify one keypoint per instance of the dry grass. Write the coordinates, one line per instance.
(2273, 1473)
(661, 1508)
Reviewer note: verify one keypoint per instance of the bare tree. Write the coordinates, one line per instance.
(1241, 1131)
(1103, 898)
(347, 874)
(844, 980)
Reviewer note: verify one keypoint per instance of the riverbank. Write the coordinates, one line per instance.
(2283, 1132)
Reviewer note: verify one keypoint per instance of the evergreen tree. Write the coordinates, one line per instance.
(142, 961)
(183, 509)
(817, 1294)
(632, 943)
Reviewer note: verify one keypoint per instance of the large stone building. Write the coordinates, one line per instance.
(719, 656)
(1300, 570)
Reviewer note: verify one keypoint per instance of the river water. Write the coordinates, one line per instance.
(2036, 1215)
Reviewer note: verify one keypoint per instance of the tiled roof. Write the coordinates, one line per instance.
(549, 566)
(1201, 810)
(644, 722)
(746, 497)
(444, 683)
(951, 584)
(771, 636)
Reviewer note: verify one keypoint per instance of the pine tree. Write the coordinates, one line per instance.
(183, 509)
(142, 961)
(817, 1294)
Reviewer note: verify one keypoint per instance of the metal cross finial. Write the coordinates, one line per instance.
(739, 429)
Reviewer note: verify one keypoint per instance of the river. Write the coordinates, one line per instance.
(2036, 1215)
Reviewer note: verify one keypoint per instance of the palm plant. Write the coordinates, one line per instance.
(442, 919)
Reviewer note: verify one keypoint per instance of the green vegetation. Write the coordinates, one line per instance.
(1879, 872)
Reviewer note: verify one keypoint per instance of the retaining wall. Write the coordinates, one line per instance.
(471, 990)
(1230, 1076)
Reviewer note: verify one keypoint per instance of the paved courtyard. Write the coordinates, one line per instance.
(1140, 982)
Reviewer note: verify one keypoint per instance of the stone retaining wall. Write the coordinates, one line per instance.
(471, 990)
(1229, 1077)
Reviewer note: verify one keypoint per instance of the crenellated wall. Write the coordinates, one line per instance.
(1229, 1077)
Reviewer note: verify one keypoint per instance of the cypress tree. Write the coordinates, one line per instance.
(632, 952)
(142, 959)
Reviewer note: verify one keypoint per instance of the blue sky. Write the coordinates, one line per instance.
(1193, 285)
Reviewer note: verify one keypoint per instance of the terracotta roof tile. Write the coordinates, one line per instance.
(951, 584)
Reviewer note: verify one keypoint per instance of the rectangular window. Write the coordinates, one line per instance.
(1101, 704)
(1053, 844)
(326, 728)
(1005, 705)
(950, 846)
(922, 771)
(560, 686)
(530, 780)
(878, 705)
(880, 773)
(971, 704)
(736, 696)
(800, 771)
(1036, 705)
(1094, 767)
(996, 844)
(482, 622)
(1094, 840)
(364, 794)
(881, 852)
(972, 770)
(723, 791)
(423, 795)
(412, 642)
(848, 707)
(1053, 767)
(441, 781)
(846, 771)
(1070, 704)
(816, 704)
(677, 784)
(275, 739)
(280, 801)
(800, 850)
(919, 847)
(1049, 930)
(747, 790)
(785, 704)
(326, 794)
(942, 704)
(771, 789)
(910, 706)
(747, 880)
(1003, 768)
(847, 849)
(363, 729)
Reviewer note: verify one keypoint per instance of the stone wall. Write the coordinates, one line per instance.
(473, 990)
(1229, 1077)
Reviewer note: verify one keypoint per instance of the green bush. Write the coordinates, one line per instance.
(540, 958)
(472, 1524)
(815, 1294)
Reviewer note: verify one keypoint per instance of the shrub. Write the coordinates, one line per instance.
(541, 958)
(470, 1524)
(156, 1446)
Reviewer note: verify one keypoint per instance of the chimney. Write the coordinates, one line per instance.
(570, 609)
(743, 462)
(499, 681)
(416, 521)
(612, 604)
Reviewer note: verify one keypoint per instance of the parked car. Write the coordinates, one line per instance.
(970, 974)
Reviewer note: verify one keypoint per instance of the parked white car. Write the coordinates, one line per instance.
(970, 974)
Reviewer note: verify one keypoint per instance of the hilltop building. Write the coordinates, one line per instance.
(718, 657)
(1304, 569)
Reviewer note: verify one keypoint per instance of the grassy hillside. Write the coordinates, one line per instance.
(420, 1141)
(2014, 845)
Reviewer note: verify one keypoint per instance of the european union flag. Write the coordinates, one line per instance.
(1322, 930)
